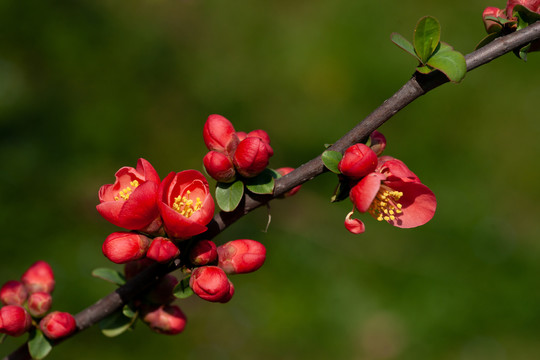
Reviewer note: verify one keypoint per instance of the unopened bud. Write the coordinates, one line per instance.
(377, 142)
(14, 320)
(210, 283)
(57, 325)
(39, 303)
(358, 161)
(203, 252)
(241, 135)
(219, 134)
(241, 256)
(122, 247)
(227, 297)
(284, 171)
(162, 250)
(251, 156)
(39, 277)
(219, 166)
(165, 319)
(162, 292)
(492, 25)
(263, 135)
(13, 293)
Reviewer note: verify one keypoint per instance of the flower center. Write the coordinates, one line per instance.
(386, 205)
(185, 206)
(124, 194)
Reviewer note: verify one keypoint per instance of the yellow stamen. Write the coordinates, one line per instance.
(124, 194)
(184, 205)
(385, 206)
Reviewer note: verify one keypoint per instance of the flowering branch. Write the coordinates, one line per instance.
(417, 86)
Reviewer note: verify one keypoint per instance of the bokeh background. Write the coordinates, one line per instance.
(89, 86)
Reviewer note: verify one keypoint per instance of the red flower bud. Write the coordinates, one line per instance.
(284, 171)
(13, 293)
(358, 161)
(131, 202)
(39, 277)
(162, 292)
(132, 268)
(219, 166)
(219, 134)
(162, 250)
(533, 5)
(251, 156)
(263, 135)
(121, 247)
(57, 325)
(14, 320)
(165, 319)
(241, 256)
(377, 142)
(491, 25)
(241, 135)
(210, 283)
(185, 204)
(39, 303)
(203, 252)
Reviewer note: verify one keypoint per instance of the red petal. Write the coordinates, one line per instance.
(363, 193)
(418, 204)
(355, 226)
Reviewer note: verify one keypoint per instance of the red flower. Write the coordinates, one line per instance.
(358, 161)
(131, 202)
(185, 204)
(219, 166)
(122, 247)
(210, 283)
(13, 293)
(392, 193)
(203, 253)
(219, 134)
(14, 320)
(38, 277)
(251, 156)
(241, 256)
(533, 5)
(165, 319)
(162, 250)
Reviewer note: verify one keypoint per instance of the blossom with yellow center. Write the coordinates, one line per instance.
(185, 206)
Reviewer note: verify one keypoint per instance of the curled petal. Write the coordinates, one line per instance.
(395, 169)
(363, 193)
(418, 204)
(355, 226)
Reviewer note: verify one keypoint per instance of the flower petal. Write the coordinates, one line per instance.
(363, 193)
(418, 204)
(355, 226)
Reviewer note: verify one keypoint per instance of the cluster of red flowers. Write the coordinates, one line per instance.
(27, 301)
(233, 152)
(384, 187)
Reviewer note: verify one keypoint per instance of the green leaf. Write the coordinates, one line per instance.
(426, 37)
(331, 160)
(424, 69)
(405, 44)
(182, 290)
(109, 275)
(525, 16)
(38, 345)
(450, 62)
(488, 39)
(522, 52)
(116, 323)
(229, 195)
(262, 183)
(342, 191)
(129, 312)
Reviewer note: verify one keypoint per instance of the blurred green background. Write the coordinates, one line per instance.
(87, 87)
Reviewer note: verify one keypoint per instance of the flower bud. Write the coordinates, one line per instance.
(132, 268)
(358, 161)
(165, 319)
(219, 134)
(491, 25)
(284, 171)
(162, 292)
(39, 303)
(203, 252)
(251, 156)
(241, 256)
(121, 247)
(263, 135)
(14, 320)
(377, 142)
(39, 277)
(210, 283)
(227, 297)
(57, 325)
(13, 293)
(219, 166)
(162, 250)
(241, 135)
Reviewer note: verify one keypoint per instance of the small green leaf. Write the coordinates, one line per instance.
(488, 39)
(331, 160)
(405, 44)
(182, 290)
(342, 191)
(450, 62)
(38, 345)
(229, 195)
(109, 275)
(522, 52)
(116, 324)
(129, 312)
(2, 338)
(424, 69)
(262, 183)
(525, 16)
(426, 37)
